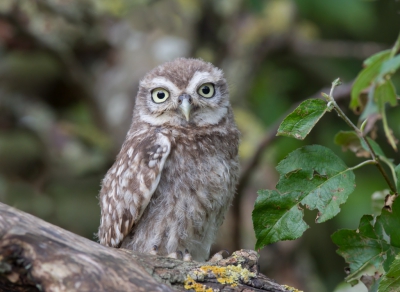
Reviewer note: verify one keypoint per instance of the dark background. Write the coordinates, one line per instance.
(69, 71)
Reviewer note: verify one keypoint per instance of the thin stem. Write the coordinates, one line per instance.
(387, 130)
(386, 177)
(392, 170)
(363, 163)
(359, 134)
(395, 47)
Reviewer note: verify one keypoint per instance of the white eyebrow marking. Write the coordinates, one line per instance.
(161, 82)
(197, 79)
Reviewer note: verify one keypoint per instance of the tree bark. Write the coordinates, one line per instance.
(38, 256)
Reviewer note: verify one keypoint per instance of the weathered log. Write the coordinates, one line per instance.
(38, 256)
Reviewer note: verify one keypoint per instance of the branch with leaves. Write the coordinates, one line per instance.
(313, 177)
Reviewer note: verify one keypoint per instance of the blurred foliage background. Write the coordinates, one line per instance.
(69, 71)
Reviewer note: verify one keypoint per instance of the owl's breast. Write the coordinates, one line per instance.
(196, 187)
(199, 177)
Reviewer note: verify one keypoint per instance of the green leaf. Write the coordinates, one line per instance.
(385, 92)
(345, 138)
(311, 176)
(387, 226)
(277, 219)
(300, 122)
(391, 281)
(378, 201)
(349, 140)
(375, 242)
(375, 57)
(371, 108)
(397, 173)
(389, 67)
(367, 76)
(359, 247)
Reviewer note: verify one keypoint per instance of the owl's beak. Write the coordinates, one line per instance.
(185, 104)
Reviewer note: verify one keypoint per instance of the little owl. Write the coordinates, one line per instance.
(174, 178)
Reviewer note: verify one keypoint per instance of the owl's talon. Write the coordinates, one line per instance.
(154, 250)
(176, 255)
(187, 257)
(218, 256)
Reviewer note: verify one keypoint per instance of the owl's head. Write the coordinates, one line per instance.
(183, 92)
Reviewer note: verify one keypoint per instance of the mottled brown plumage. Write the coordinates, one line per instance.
(175, 176)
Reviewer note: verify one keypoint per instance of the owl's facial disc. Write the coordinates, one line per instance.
(183, 95)
(186, 105)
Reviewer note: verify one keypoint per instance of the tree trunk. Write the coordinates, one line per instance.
(38, 256)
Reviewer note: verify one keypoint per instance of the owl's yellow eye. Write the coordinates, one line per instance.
(159, 95)
(206, 90)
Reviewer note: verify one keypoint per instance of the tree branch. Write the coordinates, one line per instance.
(38, 256)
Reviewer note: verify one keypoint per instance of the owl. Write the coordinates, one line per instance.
(174, 178)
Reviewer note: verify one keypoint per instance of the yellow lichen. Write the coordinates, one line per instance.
(291, 289)
(229, 274)
(192, 284)
(224, 275)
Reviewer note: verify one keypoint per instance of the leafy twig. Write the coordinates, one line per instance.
(332, 102)
(252, 164)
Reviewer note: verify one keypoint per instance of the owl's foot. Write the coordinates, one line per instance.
(218, 256)
(176, 255)
(187, 257)
(154, 250)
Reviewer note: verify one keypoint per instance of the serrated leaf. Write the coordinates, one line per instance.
(397, 172)
(367, 76)
(311, 176)
(275, 219)
(360, 248)
(300, 122)
(375, 242)
(387, 227)
(391, 280)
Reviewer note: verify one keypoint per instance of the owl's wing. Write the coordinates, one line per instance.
(129, 184)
